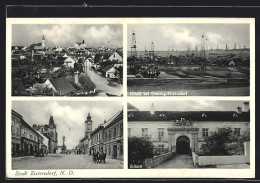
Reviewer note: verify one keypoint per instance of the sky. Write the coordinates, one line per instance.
(198, 105)
(65, 35)
(69, 116)
(184, 36)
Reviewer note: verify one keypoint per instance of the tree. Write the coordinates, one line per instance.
(139, 148)
(224, 142)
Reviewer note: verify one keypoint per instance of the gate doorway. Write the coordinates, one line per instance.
(183, 145)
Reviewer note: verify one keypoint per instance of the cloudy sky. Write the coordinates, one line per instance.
(201, 105)
(64, 35)
(69, 116)
(182, 36)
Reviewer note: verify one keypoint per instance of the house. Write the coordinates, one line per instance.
(109, 71)
(116, 57)
(69, 62)
(184, 131)
(108, 137)
(232, 63)
(60, 86)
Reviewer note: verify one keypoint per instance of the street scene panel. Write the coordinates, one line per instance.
(188, 59)
(67, 60)
(66, 135)
(189, 134)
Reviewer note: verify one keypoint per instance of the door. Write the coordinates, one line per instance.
(183, 145)
(115, 151)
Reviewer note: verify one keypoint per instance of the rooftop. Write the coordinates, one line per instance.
(189, 115)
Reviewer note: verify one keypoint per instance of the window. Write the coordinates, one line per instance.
(18, 130)
(110, 134)
(205, 132)
(129, 132)
(160, 134)
(121, 129)
(237, 131)
(88, 127)
(12, 126)
(144, 132)
(114, 132)
(160, 148)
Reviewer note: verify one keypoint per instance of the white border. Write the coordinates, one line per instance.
(130, 173)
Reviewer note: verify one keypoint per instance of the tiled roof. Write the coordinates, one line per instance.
(62, 85)
(189, 115)
(130, 106)
(86, 82)
(107, 68)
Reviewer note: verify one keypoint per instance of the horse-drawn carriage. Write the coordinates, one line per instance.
(99, 157)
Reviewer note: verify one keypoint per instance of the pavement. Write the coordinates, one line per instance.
(63, 161)
(102, 84)
(179, 161)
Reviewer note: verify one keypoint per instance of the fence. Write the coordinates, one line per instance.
(157, 160)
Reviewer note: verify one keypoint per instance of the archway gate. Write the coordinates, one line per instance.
(190, 133)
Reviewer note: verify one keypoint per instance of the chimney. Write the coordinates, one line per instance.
(152, 109)
(239, 110)
(246, 107)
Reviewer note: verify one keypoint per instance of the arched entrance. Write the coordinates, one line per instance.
(183, 145)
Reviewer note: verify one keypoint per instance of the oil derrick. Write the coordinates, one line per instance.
(203, 51)
(172, 47)
(152, 50)
(196, 48)
(133, 46)
(235, 46)
(146, 52)
(226, 47)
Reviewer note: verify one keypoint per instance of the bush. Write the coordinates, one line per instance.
(138, 150)
(224, 142)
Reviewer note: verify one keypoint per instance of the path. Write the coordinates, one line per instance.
(179, 161)
(102, 84)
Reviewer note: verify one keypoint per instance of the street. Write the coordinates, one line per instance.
(179, 161)
(62, 161)
(102, 84)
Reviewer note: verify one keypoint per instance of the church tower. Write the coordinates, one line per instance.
(52, 129)
(43, 41)
(88, 126)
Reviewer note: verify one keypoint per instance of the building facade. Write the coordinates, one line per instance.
(108, 137)
(183, 132)
(25, 140)
(50, 132)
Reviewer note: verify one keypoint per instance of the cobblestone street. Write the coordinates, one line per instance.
(60, 161)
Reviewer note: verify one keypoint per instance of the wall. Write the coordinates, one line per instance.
(223, 160)
(157, 160)
(136, 129)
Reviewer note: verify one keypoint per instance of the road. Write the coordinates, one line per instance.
(61, 161)
(179, 161)
(102, 84)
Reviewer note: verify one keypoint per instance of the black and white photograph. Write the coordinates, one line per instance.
(188, 59)
(188, 134)
(66, 135)
(67, 59)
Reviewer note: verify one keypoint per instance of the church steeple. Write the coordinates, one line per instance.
(88, 125)
(43, 41)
